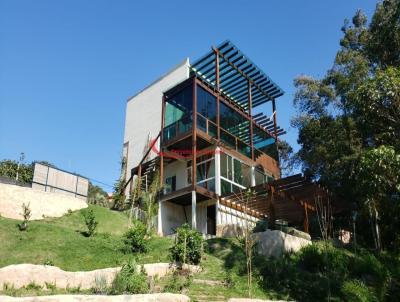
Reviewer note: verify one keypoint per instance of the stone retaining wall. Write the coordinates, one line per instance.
(20, 275)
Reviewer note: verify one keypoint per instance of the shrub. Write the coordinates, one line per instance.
(356, 291)
(261, 226)
(90, 221)
(48, 262)
(130, 279)
(180, 280)
(188, 245)
(26, 214)
(134, 238)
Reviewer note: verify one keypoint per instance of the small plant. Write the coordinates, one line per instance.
(9, 289)
(357, 291)
(229, 281)
(180, 280)
(130, 280)
(48, 262)
(188, 246)
(33, 286)
(134, 238)
(50, 286)
(90, 221)
(26, 214)
(69, 212)
(100, 285)
(73, 290)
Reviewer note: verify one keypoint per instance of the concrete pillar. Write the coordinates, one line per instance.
(217, 184)
(159, 219)
(218, 171)
(253, 176)
(194, 226)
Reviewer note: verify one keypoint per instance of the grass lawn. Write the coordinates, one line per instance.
(60, 241)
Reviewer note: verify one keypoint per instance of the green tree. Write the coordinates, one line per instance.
(378, 176)
(353, 108)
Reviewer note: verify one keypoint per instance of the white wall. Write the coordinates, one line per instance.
(179, 169)
(143, 113)
(173, 216)
(231, 221)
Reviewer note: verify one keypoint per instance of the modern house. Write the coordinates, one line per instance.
(210, 129)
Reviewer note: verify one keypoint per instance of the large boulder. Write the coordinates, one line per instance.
(162, 297)
(275, 243)
(20, 275)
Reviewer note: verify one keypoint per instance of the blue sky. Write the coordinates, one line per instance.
(68, 67)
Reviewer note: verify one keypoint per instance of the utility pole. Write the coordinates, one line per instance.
(21, 159)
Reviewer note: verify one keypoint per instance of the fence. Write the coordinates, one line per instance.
(52, 179)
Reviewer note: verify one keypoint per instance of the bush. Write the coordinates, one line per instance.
(90, 221)
(134, 238)
(180, 280)
(188, 245)
(261, 226)
(130, 280)
(26, 214)
(356, 291)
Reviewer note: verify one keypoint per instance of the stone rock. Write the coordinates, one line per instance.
(162, 297)
(21, 275)
(252, 300)
(273, 243)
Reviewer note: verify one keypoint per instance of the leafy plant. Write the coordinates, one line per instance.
(26, 214)
(130, 280)
(90, 221)
(134, 239)
(180, 280)
(188, 246)
(48, 262)
(357, 291)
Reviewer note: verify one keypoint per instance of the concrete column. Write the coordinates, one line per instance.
(194, 226)
(159, 219)
(218, 171)
(217, 184)
(253, 176)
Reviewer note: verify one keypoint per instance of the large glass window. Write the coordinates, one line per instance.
(206, 104)
(235, 175)
(178, 113)
(265, 143)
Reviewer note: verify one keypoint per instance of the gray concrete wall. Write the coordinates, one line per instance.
(143, 114)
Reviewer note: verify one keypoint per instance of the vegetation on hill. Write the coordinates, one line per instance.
(349, 125)
(62, 242)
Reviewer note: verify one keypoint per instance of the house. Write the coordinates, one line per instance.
(200, 125)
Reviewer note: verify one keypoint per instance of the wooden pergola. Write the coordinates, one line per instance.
(292, 199)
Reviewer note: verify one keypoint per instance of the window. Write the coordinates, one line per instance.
(206, 104)
(178, 113)
(235, 175)
(170, 184)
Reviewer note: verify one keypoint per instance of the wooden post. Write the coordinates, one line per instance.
(194, 134)
(275, 126)
(161, 141)
(251, 119)
(306, 223)
(217, 88)
(139, 178)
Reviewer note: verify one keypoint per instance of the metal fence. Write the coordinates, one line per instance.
(52, 179)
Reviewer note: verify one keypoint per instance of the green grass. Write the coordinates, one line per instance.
(60, 240)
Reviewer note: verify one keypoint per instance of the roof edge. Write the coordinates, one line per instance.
(184, 62)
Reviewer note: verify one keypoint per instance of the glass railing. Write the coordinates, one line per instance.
(177, 128)
(206, 125)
